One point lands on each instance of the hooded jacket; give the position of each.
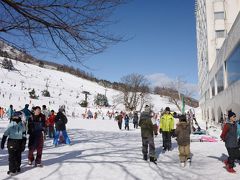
(167, 123)
(183, 132)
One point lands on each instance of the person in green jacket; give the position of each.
(167, 129)
(148, 129)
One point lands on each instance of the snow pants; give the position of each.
(57, 136)
(37, 145)
(234, 153)
(167, 140)
(184, 153)
(15, 157)
(148, 142)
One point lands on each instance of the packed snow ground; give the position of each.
(100, 150)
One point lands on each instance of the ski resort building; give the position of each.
(218, 54)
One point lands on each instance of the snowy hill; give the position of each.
(64, 88)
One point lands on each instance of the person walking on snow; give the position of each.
(126, 120)
(135, 120)
(10, 112)
(230, 137)
(16, 134)
(36, 129)
(148, 129)
(182, 132)
(60, 125)
(50, 124)
(167, 129)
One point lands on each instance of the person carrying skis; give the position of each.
(60, 125)
(148, 129)
(182, 132)
(36, 128)
(230, 137)
(167, 129)
(16, 135)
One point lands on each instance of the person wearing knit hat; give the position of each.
(148, 130)
(167, 129)
(16, 135)
(229, 136)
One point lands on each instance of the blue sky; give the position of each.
(163, 42)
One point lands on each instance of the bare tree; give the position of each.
(73, 28)
(134, 91)
(180, 86)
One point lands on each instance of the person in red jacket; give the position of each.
(229, 136)
(50, 122)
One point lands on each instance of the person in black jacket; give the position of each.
(36, 128)
(60, 126)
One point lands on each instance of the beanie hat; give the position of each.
(167, 109)
(182, 118)
(230, 114)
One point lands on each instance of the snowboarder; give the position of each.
(16, 142)
(135, 120)
(126, 120)
(229, 136)
(182, 133)
(167, 129)
(36, 128)
(148, 129)
(60, 125)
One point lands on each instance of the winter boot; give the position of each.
(182, 164)
(230, 169)
(10, 173)
(153, 159)
(145, 157)
(19, 170)
(188, 162)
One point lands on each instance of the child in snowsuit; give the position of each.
(148, 129)
(229, 136)
(16, 142)
(182, 133)
(36, 129)
(126, 119)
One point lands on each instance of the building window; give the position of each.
(220, 33)
(220, 80)
(218, 15)
(212, 85)
(233, 64)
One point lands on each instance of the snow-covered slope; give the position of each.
(64, 88)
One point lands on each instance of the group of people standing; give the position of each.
(34, 125)
(150, 128)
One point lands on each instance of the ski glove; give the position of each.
(4, 138)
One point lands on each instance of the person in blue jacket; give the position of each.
(16, 134)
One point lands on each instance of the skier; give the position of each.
(167, 129)
(60, 125)
(36, 128)
(16, 142)
(229, 136)
(182, 133)
(126, 120)
(148, 129)
(135, 120)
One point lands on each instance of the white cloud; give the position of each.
(162, 80)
